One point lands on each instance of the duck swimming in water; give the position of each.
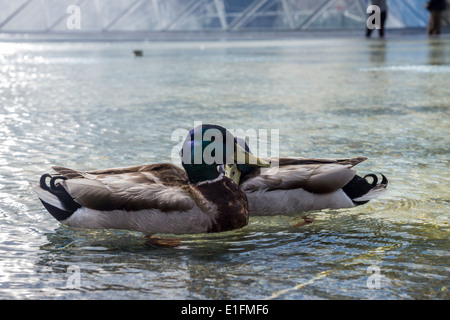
(294, 185)
(158, 198)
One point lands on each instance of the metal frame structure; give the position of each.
(180, 15)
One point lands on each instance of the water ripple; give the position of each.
(93, 105)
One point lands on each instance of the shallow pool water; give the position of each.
(95, 105)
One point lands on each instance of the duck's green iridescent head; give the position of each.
(208, 146)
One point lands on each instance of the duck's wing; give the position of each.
(165, 171)
(161, 186)
(286, 161)
(316, 176)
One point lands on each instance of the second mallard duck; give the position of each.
(294, 185)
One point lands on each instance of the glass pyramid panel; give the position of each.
(300, 11)
(342, 13)
(8, 8)
(268, 15)
(407, 13)
(138, 17)
(200, 15)
(30, 15)
(57, 13)
(195, 15)
(235, 9)
(91, 19)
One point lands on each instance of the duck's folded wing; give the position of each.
(286, 161)
(130, 189)
(315, 178)
(163, 171)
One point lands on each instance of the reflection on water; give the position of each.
(93, 105)
(377, 52)
(438, 53)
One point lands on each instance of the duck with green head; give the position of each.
(158, 198)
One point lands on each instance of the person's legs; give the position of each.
(383, 17)
(434, 24)
(430, 24)
(437, 22)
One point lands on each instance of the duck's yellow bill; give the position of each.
(241, 156)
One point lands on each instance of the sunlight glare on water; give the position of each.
(93, 105)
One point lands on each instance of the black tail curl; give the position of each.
(52, 186)
(359, 186)
(55, 188)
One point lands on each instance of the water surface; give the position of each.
(94, 105)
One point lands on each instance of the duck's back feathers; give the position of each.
(165, 172)
(284, 161)
(315, 178)
(162, 186)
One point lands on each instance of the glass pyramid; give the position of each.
(42, 16)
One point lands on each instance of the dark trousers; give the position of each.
(383, 16)
(434, 24)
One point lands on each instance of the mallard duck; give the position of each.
(158, 198)
(295, 185)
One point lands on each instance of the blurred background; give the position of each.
(155, 18)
